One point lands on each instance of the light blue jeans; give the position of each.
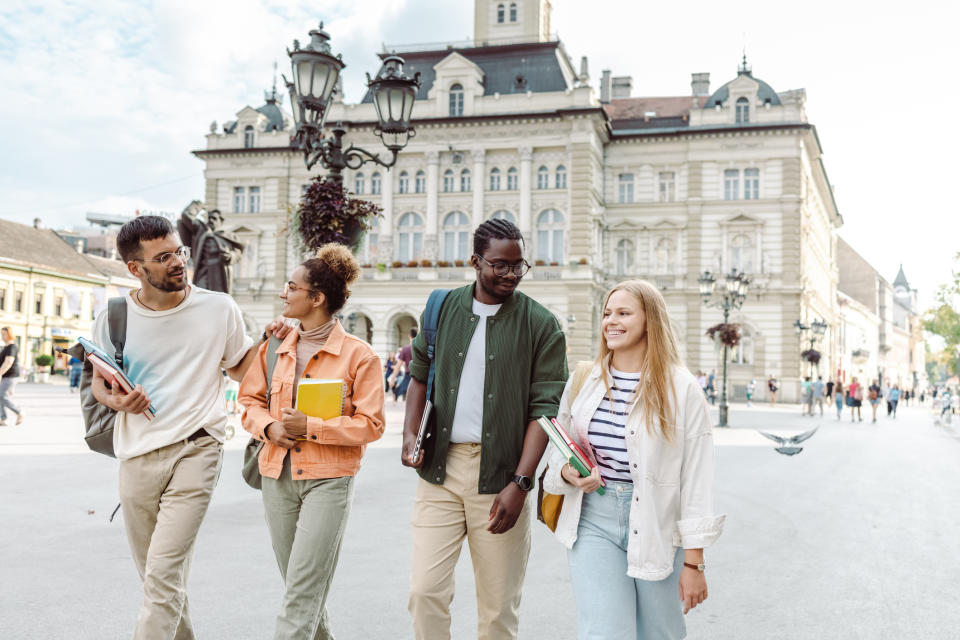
(610, 604)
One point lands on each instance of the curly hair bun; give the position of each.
(339, 259)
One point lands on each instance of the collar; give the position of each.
(333, 345)
(507, 307)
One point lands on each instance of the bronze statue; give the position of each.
(213, 251)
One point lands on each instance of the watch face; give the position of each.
(701, 567)
(523, 482)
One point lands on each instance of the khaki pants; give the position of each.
(442, 517)
(306, 519)
(165, 495)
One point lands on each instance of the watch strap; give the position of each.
(699, 567)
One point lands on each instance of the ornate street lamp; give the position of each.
(816, 328)
(315, 74)
(731, 295)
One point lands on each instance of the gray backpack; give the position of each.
(251, 454)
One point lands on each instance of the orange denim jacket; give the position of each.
(334, 447)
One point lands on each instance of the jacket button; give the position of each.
(299, 471)
(314, 437)
(636, 498)
(444, 430)
(632, 432)
(491, 356)
(489, 396)
(297, 449)
(438, 478)
(634, 465)
(452, 390)
(306, 375)
(634, 532)
(315, 357)
(460, 355)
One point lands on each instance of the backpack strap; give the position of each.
(431, 319)
(272, 347)
(580, 374)
(117, 323)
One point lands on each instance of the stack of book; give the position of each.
(570, 450)
(113, 374)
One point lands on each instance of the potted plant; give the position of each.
(327, 214)
(43, 362)
(554, 264)
(426, 263)
(443, 263)
(539, 263)
(811, 355)
(396, 264)
(582, 261)
(725, 334)
(412, 263)
(459, 263)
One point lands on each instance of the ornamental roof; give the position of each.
(651, 113)
(765, 92)
(901, 279)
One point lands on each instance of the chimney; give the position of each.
(622, 87)
(37, 224)
(584, 78)
(700, 83)
(606, 86)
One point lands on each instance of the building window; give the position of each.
(448, 181)
(18, 302)
(731, 184)
(456, 234)
(456, 100)
(239, 199)
(561, 177)
(741, 253)
(665, 256)
(743, 111)
(543, 178)
(254, 199)
(403, 184)
(513, 12)
(512, 179)
(58, 308)
(465, 180)
(503, 214)
(743, 352)
(410, 237)
(371, 241)
(501, 14)
(420, 182)
(751, 184)
(3, 299)
(38, 303)
(359, 184)
(668, 186)
(550, 236)
(625, 188)
(495, 180)
(375, 183)
(625, 257)
(248, 137)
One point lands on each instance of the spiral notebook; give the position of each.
(321, 398)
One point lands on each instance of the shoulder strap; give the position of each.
(431, 319)
(117, 323)
(580, 374)
(272, 347)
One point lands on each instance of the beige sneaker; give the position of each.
(3, 423)
(20, 417)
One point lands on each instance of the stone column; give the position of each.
(479, 185)
(526, 159)
(433, 187)
(385, 239)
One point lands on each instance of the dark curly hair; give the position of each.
(332, 271)
(494, 228)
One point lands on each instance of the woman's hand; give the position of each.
(693, 588)
(277, 435)
(294, 422)
(588, 485)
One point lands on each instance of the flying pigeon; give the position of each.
(788, 445)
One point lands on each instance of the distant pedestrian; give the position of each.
(838, 398)
(893, 399)
(404, 357)
(76, 368)
(946, 404)
(818, 388)
(829, 390)
(751, 388)
(9, 374)
(874, 394)
(711, 388)
(772, 387)
(806, 393)
(388, 368)
(702, 382)
(855, 400)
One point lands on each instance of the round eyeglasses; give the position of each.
(501, 269)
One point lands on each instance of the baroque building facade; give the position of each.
(604, 187)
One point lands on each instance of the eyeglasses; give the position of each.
(502, 268)
(166, 259)
(292, 286)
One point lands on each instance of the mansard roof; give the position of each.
(511, 68)
(765, 92)
(651, 113)
(273, 113)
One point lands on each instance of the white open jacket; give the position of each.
(672, 481)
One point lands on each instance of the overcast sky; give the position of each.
(103, 101)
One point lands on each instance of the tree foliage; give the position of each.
(943, 320)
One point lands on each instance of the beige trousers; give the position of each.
(165, 495)
(442, 517)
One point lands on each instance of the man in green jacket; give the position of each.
(500, 364)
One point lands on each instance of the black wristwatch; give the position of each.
(524, 482)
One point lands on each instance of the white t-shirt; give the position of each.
(177, 355)
(468, 416)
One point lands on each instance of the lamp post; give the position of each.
(730, 295)
(315, 74)
(816, 328)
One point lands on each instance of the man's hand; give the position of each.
(406, 452)
(278, 435)
(588, 485)
(136, 401)
(294, 422)
(279, 327)
(693, 588)
(506, 508)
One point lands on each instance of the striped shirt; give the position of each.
(608, 425)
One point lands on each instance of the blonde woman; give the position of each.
(636, 552)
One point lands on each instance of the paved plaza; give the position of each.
(852, 538)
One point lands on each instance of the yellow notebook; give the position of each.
(320, 398)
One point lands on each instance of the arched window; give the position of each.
(503, 214)
(494, 179)
(456, 100)
(501, 14)
(420, 182)
(409, 237)
(665, 256)
(248, 137)
(550, 229)
(512, 179)
(403, 184)
(375, 183)
(456, 235)
(743, 110)
(543, 178)
(625, 258)
(465, 180)
(371, 240)
(513, 12)
(741, 253)
(561, 177)
(448, 181)
(359, 184)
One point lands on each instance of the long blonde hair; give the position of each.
(655, 388)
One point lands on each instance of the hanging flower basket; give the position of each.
(727, 334)
(327, 214)
(811, 355)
